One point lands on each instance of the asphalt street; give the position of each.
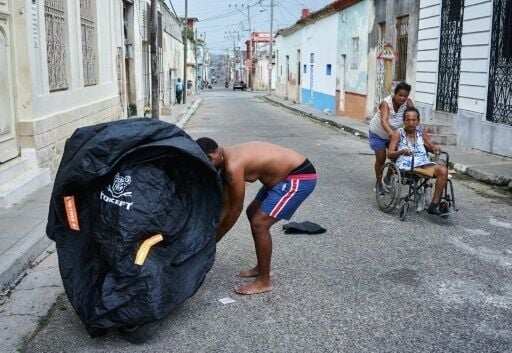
(371, 283)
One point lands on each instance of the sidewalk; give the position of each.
(486, 167)
(23, 226)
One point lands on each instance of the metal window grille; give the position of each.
(379, 86)
(144, 23)
(146, 74)
(55, 20)
(88, 25)
(499, 96)
(452, 16)
(355, 53)
(402, 41)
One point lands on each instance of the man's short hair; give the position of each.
(403, 86)
(207, 144)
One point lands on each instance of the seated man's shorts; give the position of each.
(282, 200)
(377, 143)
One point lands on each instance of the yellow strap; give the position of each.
(143, 251)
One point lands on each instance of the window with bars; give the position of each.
(354, 61)
(402, 41)
(88, 27)
(507, 35)
(56, 45)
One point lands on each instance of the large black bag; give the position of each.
(121, 183)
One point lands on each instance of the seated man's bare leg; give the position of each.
(260, 227)
(441, 174)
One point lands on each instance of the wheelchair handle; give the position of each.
(447, 157)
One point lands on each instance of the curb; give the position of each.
(187, 113)
(20, 256)
(461, 168)
(320, 119)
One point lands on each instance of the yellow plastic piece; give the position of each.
(143, 251)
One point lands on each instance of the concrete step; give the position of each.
(11, 169)
(434, 127)
(22, 185)
(441, 117)
(444, 139)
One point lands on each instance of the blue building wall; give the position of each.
(320, 101)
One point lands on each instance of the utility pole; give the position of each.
(185, 40)
(270, 47)
(155, 82)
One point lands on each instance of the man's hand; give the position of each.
(437, 150)
(405, 151)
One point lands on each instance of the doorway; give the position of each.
(8, 140)
(343, 63)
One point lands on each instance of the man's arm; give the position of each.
(393, 145)
(235, 188)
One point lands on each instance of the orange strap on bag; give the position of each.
(71, 213)
(143, 251)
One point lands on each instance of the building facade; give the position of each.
(464, 71)
(394, 22)
(352, 60)
(173, 52)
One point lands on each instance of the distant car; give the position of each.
(241, 85)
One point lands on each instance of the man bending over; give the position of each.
(287, 177)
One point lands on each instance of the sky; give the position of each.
(216, 17)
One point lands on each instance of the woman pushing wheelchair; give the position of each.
(409, 146)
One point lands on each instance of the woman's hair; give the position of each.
(207, 144)
(412, 109)
(403, 86)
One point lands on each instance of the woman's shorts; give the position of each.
(377, 143)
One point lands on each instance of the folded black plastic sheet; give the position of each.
(130, 180)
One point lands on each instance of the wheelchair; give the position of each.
(401, 189)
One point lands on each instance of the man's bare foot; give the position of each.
(253, 272)
(255, 287)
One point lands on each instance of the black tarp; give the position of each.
(132, 179)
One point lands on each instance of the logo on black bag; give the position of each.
(117, 192)
(120, 183)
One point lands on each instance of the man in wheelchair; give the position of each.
(409, 146)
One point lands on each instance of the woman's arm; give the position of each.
(410, 102)
(384, 118)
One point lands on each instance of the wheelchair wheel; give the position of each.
(404, 208)
(388, 188)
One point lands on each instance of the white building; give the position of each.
(60, 68)
(307, 45)
(464, 71)
(172, 63)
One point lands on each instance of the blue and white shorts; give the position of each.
(282, 200)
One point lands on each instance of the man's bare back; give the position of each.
(262, 161)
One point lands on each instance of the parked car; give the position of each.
(241, 85)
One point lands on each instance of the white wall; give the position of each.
(287, 45)
(428, 51)
(46, 103)
(320, 38)
(474, 70)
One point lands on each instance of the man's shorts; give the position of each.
(377, 143)
(281, 201)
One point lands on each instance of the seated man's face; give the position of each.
(411, 121)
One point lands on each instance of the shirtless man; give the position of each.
(287, 177)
